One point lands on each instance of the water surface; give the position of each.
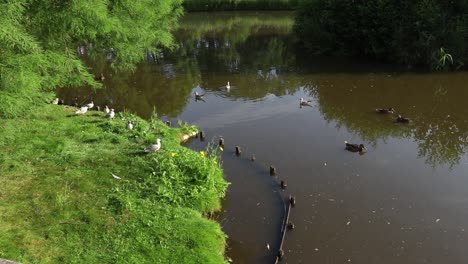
(404, 201)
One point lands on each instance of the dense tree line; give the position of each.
(432, 33)
(224, 5)
(39, 39)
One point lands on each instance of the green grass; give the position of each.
(224, 5)
(60, 204)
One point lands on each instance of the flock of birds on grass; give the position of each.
(110, 114)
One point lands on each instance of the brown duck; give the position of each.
(400, 119)
(385, 111)
(355, 147)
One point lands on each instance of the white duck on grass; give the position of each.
(154, 147)
(111, 114)
(82, 110)
(107, 110)
(130, 125)
(90, 105)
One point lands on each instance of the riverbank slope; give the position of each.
(59, 200)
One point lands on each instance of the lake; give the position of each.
(403, 201)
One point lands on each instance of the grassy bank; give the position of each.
(225, 5)
(59, 202)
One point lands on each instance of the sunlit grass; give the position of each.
(60, 204)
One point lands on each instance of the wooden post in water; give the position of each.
(283, 185)
(238, 151)
(221, 142)
(202, 136)
(292, 201)
(272, 171)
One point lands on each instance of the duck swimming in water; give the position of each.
(199, 96)
(355, 147)
(385, 111)
(226, 87)
(303, 102)
(400, 119)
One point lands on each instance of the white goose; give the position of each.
(55, 101)
(111, 114)
(82, 110)
(107, 110)
(154, 147)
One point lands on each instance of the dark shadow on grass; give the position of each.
(138, 153)
(96, 122)
(91, 140)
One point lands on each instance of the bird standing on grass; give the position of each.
(107, 110)
(154, 147)
(82, 110)
(55, 101)
(111, 114)
(130, 125)
(90, 105)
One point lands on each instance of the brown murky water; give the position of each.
(404, 201)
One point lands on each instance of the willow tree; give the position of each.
(38, 41)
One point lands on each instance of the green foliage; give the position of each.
(223, 5)
(411, 33)
(38, 40)
(60, 204)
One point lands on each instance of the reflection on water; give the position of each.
(404, 201)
